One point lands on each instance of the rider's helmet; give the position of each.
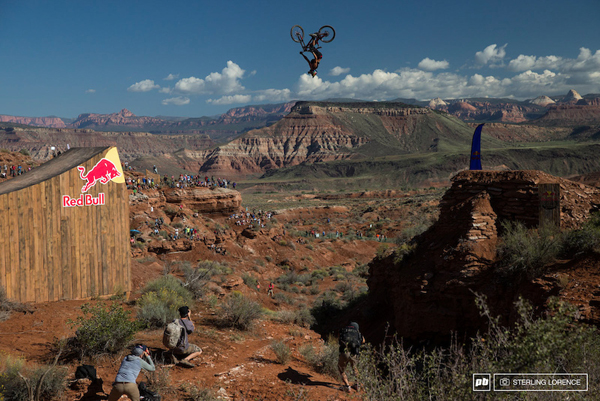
(313, 73)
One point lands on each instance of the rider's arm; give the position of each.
(305, 58)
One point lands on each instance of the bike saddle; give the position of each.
(312, 35)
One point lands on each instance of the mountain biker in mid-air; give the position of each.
(317, 56)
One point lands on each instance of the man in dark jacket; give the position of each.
(350, 341)
(184, 348)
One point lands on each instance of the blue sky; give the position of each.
(198, 58)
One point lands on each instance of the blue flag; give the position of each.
(476, 149)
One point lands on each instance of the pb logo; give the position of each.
(482, 382)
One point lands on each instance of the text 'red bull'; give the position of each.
(83, 200)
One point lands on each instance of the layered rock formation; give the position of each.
(124, 118)
(53, 122)
(131, 145)
(318, 132)
(431, 293)
(206, 200)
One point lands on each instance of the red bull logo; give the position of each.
(83, 200)
(103, 171)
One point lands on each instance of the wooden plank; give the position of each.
(66, 216)
(4, 240)
(35, 264)
(13, 219)
(23, 268)
(50, 230)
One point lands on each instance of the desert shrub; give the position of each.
(282, 351)
(160, 300)
(283, 242)
(102, 329)
(554, 342)
(268, 258)
(197, 278)
(304, 318)
(249, 280)
(24, 152)
(197, 393)
(295, 290)
(178, 225)
(239, 312)
(525, 252)
(383, 250)
(324, 359)
(288, 278)
(338, 272)
(13, 387)
(314, 289)
(281, 297)
(343, 286)
(309, 246)
(285, 316)
(319, 274)
(139, 245)
(583, 240)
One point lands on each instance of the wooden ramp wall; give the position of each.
(50, 252)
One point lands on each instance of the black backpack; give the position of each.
(146, 394)
(86, 372)
(350, 339)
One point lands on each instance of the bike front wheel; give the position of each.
(297, 33)
(326, 33)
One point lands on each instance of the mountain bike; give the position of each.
(325, 34)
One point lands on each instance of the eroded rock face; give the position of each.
(204, 200)
(432, 293)
(53, 122)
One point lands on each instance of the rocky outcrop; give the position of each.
(542, 101)
(432, 291)
(571, 98)
(204, 200)
(53, 122)
(571, 115)
(124, 118)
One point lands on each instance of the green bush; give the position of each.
(282, 351)
(525, 252)
(102, 329)
(24, 152)
(198, 393)
(583, 240)
(160, 300)
(249, 280)
(13, 387)
(554, 342)
(239, 312)
(325, 359)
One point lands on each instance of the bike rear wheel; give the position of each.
(297, 33)
(327, 33)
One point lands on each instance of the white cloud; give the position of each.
(177, 101)
(235, 99)
(90, 91)
(225, 82)
(428, 64)
(272, 95)
(171, 77)
(335, 71)
(143, 86)
(166, 89)
(492, 55)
